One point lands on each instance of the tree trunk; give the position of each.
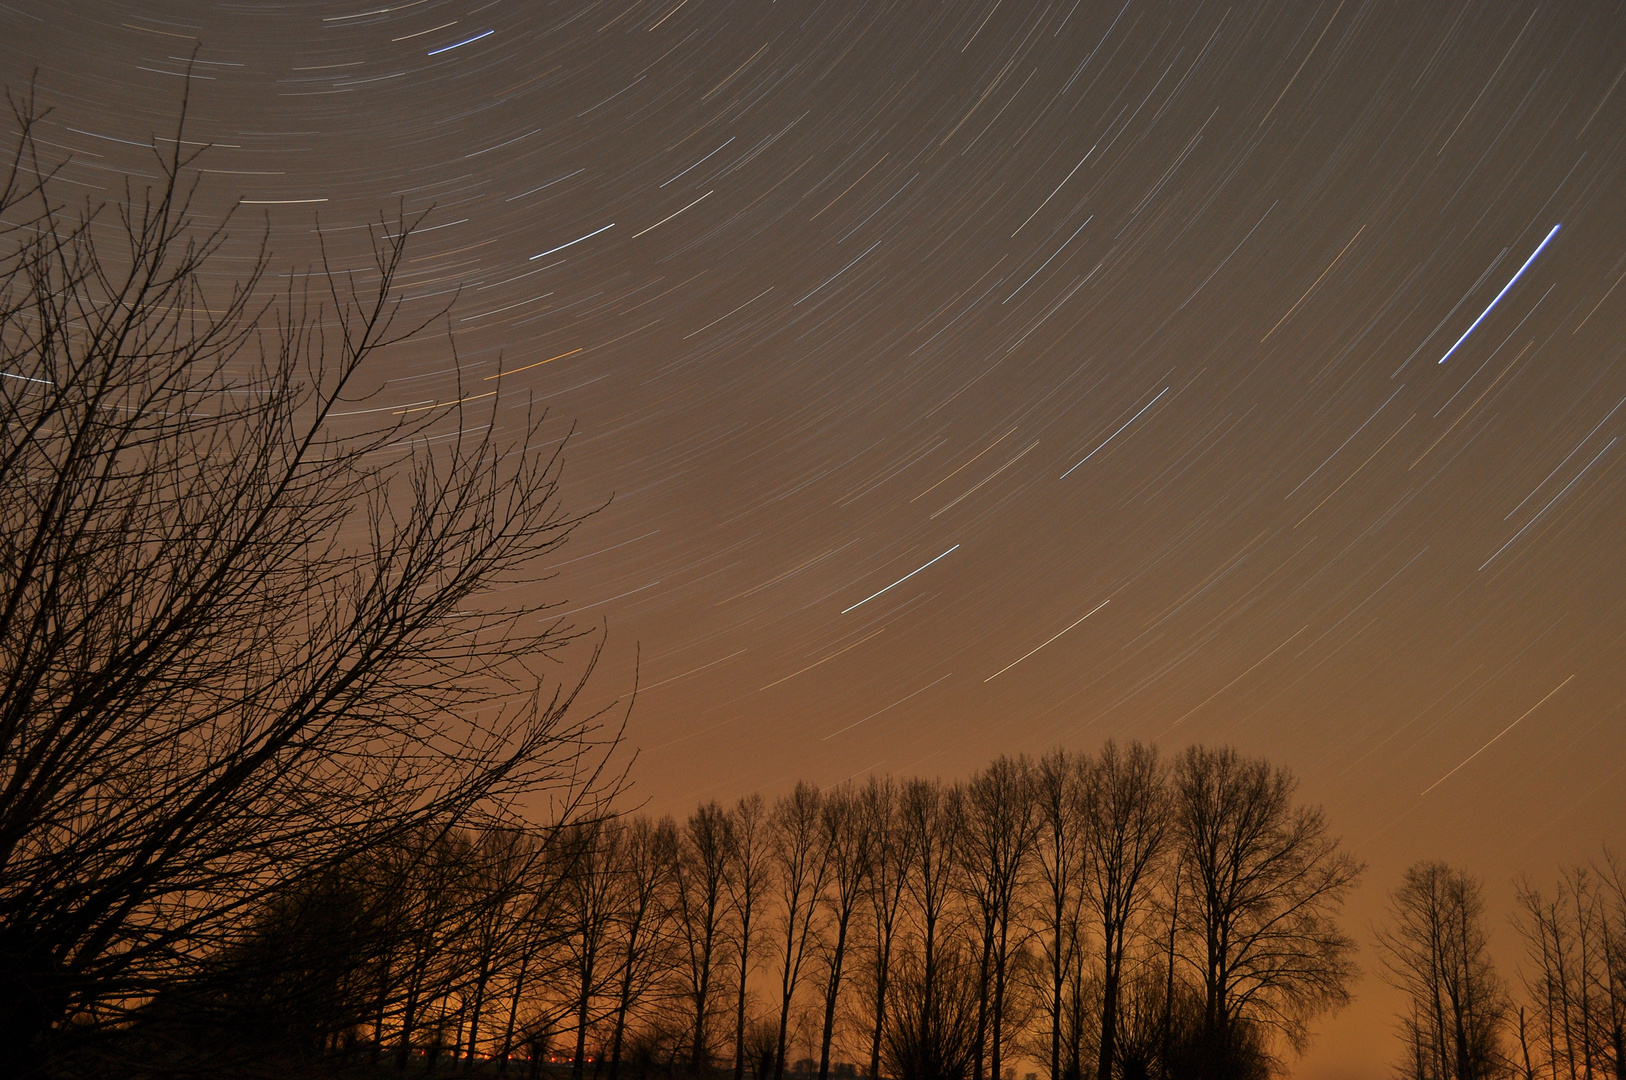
(1168, 993)
(784, 1024)
(1055, 998)
(739, 1005)
(699, 1054)
(378, 1012)
(513, 1013)
(883, 963)
(830, 995)
(582, 1004)
(996, 1059)
(1524, 1047)
(409, 1020)
(624, 1003)
(474, 1012)
(1109, 1023)
(981, 1044)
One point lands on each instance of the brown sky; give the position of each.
(973, 378)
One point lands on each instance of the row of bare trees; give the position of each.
(1462, 1020)
(1109, 914)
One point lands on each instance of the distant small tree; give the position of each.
(934, 1032)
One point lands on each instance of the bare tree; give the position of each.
(439, 908)
(848, 837)
(539, 929)
(1059, 793)
(648, 855)
(801, 866)
(1139, 1047)
(893, 855)
(1126, 824)
(1204, 895)
(1612, 935)
(1170, 903)
(1001, 825)
(932, 815)
(534, 931)
(1577, 972)
(749, 874)
(242, 636)
(590, 906)
(1435, 949)
(1265, 883)
(933, 1034)
(299, 982)
(506, 861)
(701, 870)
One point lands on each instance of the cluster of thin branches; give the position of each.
(1575, 978)
(245, 638)
(1462, 1020)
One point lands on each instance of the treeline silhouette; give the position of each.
(1463, 1021)
(1103, 915)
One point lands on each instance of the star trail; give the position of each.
(1111, 317)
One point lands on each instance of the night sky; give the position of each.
(969, 378)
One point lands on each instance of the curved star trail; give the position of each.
(788, 268)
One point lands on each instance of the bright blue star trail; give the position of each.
(1516, 275)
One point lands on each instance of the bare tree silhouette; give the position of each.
(244, 635)
(1059, 790)
(889, 876)
(1126, 825)
(1435, 949)
(645, 914)
(932, 815)
(801, 861)
(1265, 883)
(848, 837)
(1575, 945)
(750, 872)
(996, 851)
(701, 871)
